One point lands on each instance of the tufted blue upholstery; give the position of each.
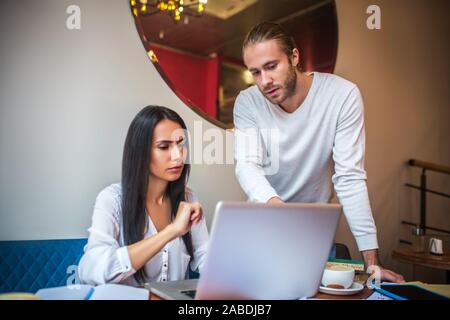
(27, 266)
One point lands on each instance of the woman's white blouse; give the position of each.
(106, 258)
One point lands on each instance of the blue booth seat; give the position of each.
(27, 266)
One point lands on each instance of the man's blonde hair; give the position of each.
(270, 31)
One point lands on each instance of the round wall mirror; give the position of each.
(196, 45)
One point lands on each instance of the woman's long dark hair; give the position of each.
(135, 173)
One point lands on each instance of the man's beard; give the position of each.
(289, 85)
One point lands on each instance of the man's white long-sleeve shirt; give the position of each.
(291, 155)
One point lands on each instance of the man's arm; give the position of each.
(349, 178)
(350, 181)
(249, 151)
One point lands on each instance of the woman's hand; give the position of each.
(187, 214)
(142, 251)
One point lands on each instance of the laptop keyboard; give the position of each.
(189, 293)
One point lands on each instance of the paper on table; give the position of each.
(119, 292)
(378, 296)
(87, 292)
(75, 292)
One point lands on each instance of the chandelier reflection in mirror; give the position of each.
(174, 8)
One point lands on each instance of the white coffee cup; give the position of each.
(338, 277)
(436, 246)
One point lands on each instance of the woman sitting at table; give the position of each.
(148, 227)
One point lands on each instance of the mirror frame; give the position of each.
(184, 98)
(179, 94)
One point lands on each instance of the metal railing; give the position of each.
(424, 190)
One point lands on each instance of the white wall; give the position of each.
(403, 73)
(67, 99)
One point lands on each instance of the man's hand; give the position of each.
(391, 276)
(372, 263)
(275, 200)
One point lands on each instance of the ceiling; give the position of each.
(228, 8)
(222, 29)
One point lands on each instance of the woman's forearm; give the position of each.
(142, 251)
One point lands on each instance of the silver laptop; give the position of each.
(260, 251)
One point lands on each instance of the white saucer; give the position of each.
(355, 288)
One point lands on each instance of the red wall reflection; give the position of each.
(195, 77)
